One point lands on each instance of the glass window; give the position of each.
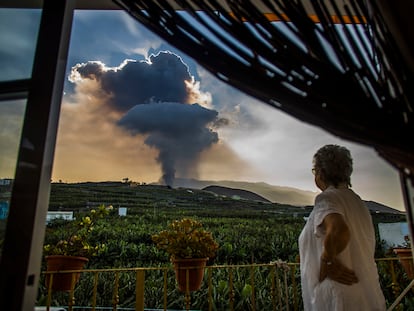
(11, 122)
(18, 36)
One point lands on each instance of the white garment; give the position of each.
(366, 295)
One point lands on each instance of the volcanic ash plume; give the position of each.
(179, 131)
(152, 98)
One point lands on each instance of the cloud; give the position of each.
(163, 77)
(158, 101)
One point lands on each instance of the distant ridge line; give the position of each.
(236, 193)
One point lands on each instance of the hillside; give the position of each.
(212, 201)
(236, 193)
(276, 194)
(82, 196)
(374, 207)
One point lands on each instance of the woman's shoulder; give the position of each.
(331, 198)
(328, 194)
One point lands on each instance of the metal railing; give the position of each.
(273, 286)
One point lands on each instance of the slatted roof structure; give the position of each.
(334, 64)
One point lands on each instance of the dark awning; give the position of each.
(334, 64)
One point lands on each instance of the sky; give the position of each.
(135, 107)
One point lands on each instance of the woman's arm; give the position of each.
(337, 236)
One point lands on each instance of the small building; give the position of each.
(59, 215)
(6, 181)
(122, 211)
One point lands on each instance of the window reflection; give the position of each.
(18, 36)
(11, 122)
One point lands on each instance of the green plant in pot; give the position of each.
(189, 246)
(73, 250)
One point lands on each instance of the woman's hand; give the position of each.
(336, 271)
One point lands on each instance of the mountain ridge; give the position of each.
(275, 194)
(236, 193)
(261, 191)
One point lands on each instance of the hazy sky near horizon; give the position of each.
(136, 107)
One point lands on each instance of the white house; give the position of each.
(5, 181)
(59, 215)
(393, 233)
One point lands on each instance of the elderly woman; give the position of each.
(337, 244)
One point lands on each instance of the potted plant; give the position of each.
(189, 246)
(73, 250)
(405, 256)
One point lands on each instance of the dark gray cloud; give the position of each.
(161, 78)
(153, 97)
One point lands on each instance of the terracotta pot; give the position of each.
(194, 267)
(405, 258)
(58, 263)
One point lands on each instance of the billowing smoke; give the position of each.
(164, 77)
(153, 100)
(180, 132)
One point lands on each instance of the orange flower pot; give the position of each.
(58, 263)
(406, 259)
(191, 269)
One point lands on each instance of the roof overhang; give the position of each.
(79, 4)
(111, 5)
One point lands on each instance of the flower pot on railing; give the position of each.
(189, 273)
(189, 247)
(74, 248)
(406, 259)
(59, 263)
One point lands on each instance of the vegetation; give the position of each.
(246, 232)
(75, 239)
(186, 238)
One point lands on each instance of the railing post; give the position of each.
(95, 290)
(231, 290)
(187, 288)
(49, 292)
(252, 271)
(295, 298)
(115, 298)
(139, 290)
(72, 292)
(285, 278)
(273, 289)
(165, 288)
(279, 289)
(210, 290)
(394, 285)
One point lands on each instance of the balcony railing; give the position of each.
(273, 286)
